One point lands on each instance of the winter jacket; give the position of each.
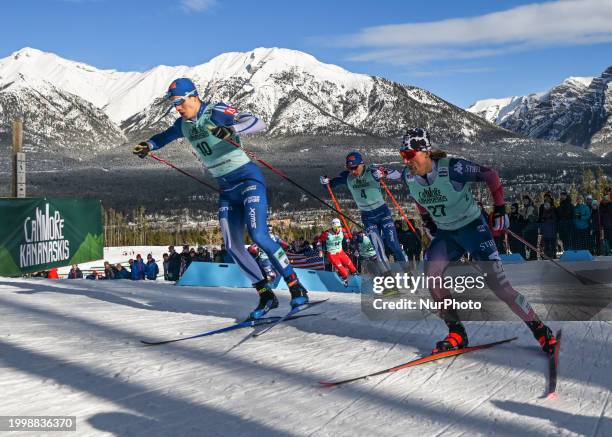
(548, 222)
(565, 210)
(174, 266)
(605, 213)
(122, 274)
(151, 270)
(138, 270)
(582, 215)
(75, 274)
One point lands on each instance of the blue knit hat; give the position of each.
(181, 87)
(353, 159)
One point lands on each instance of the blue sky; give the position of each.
(460, 50)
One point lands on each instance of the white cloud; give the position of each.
(556, 23)
(197, 5)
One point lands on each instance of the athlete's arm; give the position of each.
(390, 175)
(242, 123)
(464, 171)
(339, 180)
(174, 132)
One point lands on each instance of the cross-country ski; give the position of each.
(417, 361)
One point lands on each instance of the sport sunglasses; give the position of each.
(408, 154)
(180, 101)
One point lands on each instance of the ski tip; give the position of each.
(551, 396)
(148, 343)
(324, 384)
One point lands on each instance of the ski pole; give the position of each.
(331, 193)
(582, 279)
(169, 164)
(287, 178)
(397, 205)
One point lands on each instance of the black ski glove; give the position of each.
(142, 149)
(221, 132)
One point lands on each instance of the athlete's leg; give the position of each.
(232, 229)
(441, 251)
(389, 235)
(336, 260)
(347, 263)
(255, 215)
(373, 232)
(477, 239)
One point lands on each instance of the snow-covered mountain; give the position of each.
(575, 111)
(69, 105)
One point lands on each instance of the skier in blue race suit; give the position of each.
(243, 200)
(364, 184)
(440, 186)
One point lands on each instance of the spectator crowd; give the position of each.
(553, 225)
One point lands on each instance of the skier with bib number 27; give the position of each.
(440, 186)
(243, 200)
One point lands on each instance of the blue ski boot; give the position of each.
(267, 300)
(299, 295)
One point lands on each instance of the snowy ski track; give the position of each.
(73, 348)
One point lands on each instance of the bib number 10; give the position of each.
(204, 148)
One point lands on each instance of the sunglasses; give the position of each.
(353, 167)
(408, 154)
(181, 100)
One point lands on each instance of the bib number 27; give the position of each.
(437, 210)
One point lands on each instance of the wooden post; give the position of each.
(19, 164)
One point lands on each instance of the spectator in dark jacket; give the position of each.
(548, 227)
(138, 269)
(530, 232)
(151, 268)
(517, 226)
(227, 257)
(185, 260)
(109, 273)
(595, 228)
(75, 272)
(93, 275)
(565, 221)
(121, 273)
(165, 264)
(409, 240)
(174, 264)
(605, 213)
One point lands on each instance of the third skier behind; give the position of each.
(332, 242)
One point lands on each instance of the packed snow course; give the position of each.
(72, 347)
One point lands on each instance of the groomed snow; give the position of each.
(71, 347)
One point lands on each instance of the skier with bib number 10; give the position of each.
(243, 200)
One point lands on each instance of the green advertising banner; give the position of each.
(40, 233)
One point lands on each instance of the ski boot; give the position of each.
(299, 295)
(544, 335)
(267, 300)
(345, 282)
(456, 338)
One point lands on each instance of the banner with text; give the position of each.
(41, 233)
